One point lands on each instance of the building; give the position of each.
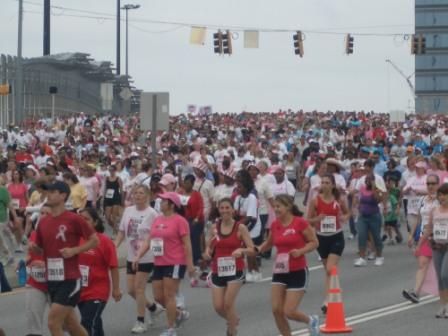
(431, 68)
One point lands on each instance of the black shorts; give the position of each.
(222, 282)
(294, 281)
(334, 244)
(170, 271)
(393, 223)
(143, 267)
(258, 240)
(65, 293)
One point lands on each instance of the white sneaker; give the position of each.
(257, 276)
(390, 242)
(139, 328)
(159, 310)
(249, 277)
(371, 256)
(379, 261)
(360, 262)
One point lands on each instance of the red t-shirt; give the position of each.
(195, 207)
(56, 233)
(36, 265)
(94, 266)
(290, 238)
(24, 157)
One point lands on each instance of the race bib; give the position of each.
(184, 199)
(281, 264)
(110, 193)
(84, 275)
(413, 204)
(440, 231)
(328, 224)
(226, 266)
(69, 204)
(38, 273)
(157, 247)
(15, 202)
(55, 269)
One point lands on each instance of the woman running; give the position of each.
(326, 213)
(228, 242)
(113, 198)
(136, 223)
(437, 232)
(293, 237)
(170, 244)
(95, 266)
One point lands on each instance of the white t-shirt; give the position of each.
(248, 207)
(136, 226)
(89, 184)
(284, 187)
(264, 192)
(223, 191)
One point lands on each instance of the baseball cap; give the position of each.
(60, 186)
(167, 179)
(171, 196)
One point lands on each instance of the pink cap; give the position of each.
(421, 164)
(167, 179)
(171, 196)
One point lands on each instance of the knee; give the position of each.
(289, 312)
(227, 306)
(277, 310)
(219, 307)
(53, 325)
(131, 292)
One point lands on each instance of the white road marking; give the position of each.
(309, 269)
(378, 313)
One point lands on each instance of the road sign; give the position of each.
(147, 111)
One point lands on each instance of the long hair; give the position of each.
(99, 226)
(335, 191)
(288, 201)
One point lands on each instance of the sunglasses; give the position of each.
(431, 183)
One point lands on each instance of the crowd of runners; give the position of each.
(222, 198)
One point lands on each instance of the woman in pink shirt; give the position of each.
(19, 201)
(170, 244)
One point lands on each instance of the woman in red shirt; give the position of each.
(95, 266)
(293, 237)
(19, 201)
(194, 213)
(229, 241)
(326, 213)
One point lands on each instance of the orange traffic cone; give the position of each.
(335, 322)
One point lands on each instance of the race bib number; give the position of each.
(184, 199)
(15, 203)
(157, 247)
(281, 264)
(110, 193)
(328, 224)
(414, 203)
(69, 204)
(84, 275)
(38, 274)
(55, 269)
(440, 231)
(226, 266)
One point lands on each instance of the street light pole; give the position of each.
(118, 36)
(18, 87)
(127, 7)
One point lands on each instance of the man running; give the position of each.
(57, 239)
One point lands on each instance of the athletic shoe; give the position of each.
(249, 276)
(256, 276)
(313, 325)
(360, 262)
(371, 256)
(379, 261)
(169, 332)
(384, 237)
(24, 241)
(390, 242)
(350, 237)
(159, 310)
(441, 313)
(139, 328)
(411, 296)
(181, 318)
(180, 301)
(19, 249)
(194, 282)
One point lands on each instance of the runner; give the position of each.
(169, 241)
(437, 232)
(326, 213)
(423, 250)
(293, 238)
(135, 226)
(227, 244)
(57, 238)
(113, 191)
(95, 266)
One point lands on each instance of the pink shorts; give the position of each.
(424, 250)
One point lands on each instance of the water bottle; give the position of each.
(21, 272)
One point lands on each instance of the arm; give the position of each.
(266, 246)
(311, 245)
(142, 251)
(312, 217)
(245, 236)
(210, 236)
(345, 211)
(115, 277)
(69, 252)
(119, 239)
(188, 254)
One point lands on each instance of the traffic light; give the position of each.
(349, 42)
(227, 43)
(414, 45)
(298, 43)
(421, 44)
(217, 42)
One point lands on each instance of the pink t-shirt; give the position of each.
(168, 232)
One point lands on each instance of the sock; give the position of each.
(152, 307)
(141, 319)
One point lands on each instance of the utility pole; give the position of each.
(118, 37)
(47, 14)
(127, 8)
(18, 87)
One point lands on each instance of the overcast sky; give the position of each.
(263, 79)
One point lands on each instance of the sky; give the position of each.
(265, 79)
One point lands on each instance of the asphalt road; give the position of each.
(372, 298)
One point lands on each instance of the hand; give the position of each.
(296, 253)
(238, 253)
(206, 255)
(68, 252)
(191, 271)
(135, 265)
(116, 294)
(410, 241)
(34, 248)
